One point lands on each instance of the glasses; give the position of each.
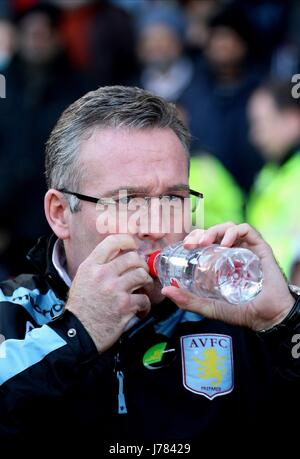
(131, 203)
(129, 213)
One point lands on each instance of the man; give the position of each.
(273, 203)
(96, 353)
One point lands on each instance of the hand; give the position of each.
(271, 305)
(102, 292)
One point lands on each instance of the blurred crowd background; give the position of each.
(228, 65)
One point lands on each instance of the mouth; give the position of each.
(146, 248)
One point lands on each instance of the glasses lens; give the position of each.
(197, 209)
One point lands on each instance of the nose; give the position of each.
(151, 223)
(150, 236)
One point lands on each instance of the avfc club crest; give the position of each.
(207, 364)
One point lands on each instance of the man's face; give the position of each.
(159, 46)
(37, 38)
(272, 130)
(225, 47)
(150, 160)
(264, 122)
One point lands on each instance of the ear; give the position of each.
(57, 213)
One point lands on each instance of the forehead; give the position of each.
(113, 157)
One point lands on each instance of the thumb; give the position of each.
(186, 300)
(177, 295)
(211, 309)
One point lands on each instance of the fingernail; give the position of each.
(190, 240)
(194, 242)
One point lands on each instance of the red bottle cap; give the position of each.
(151, 263)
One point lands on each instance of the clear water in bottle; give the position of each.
(231, 274)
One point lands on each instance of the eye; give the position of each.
(125, 200)
(131, 201)
(173, 198)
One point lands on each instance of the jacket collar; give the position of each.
(40, 256)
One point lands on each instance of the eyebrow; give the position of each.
(143, 190)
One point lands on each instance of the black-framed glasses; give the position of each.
(132, 202)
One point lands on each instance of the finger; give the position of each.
(139, 303)
(135, 279)
(193, 238)
(209, 236)
(243, 232)
(231, 237)
(187, 301)
(126, 261)
(110, 247)
(178, 295)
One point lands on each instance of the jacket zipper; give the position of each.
(122, 409)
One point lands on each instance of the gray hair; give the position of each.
(109, 106)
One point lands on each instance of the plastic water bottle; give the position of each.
(216, 272)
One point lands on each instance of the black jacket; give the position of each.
(174, 377)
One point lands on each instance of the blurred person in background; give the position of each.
(112, 45)
(40, 83)
(273, 206)
(7, 42)
(165, 69)
(198, 14)
(99, 38)
(224, 199)
(216, 103)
